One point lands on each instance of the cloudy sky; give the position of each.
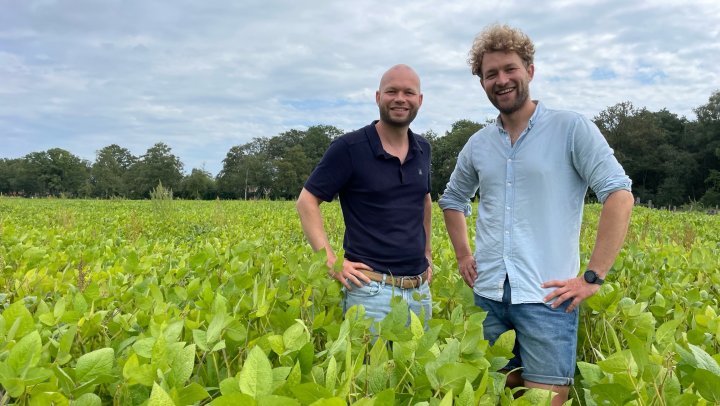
(204, 75)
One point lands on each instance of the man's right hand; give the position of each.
(351, 271)
(468, 269)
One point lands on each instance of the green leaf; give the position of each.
(192, 394)
(14, 387)
(331, 375)
(135, 373)
(158, 397)
(275, 400)
(295, 337)
(537, 396)
(217, 324)
(704, 360)
(447, 400)
(385, 398)
(229, 385)
(665, 334)
(591, 373)
(452, 376)
(504, 344)
(708, 385)
(94, 364)
(234, 399)
(18, 320)
(25, 354)
(611, 394)
(309, 392)
(256, 378)
(181, 363)
(467, 396)
(295, 375)
(65, 346)
(144, 347)
(619, 363)
(88, 399)
(394, 326)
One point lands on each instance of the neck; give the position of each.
(391, 134)
(514, 123)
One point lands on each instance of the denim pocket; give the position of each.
(367, 290)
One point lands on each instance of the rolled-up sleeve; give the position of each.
(595, 161)
(463, 183)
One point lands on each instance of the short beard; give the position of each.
(521, 99)
(385, 118)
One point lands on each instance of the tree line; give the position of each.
(671, 160)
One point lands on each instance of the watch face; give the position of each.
(590, 276)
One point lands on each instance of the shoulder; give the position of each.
(484, 134)
(422, 141)
(354, 137)
(560, 116)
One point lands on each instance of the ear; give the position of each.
(531, 71)
(421, 99)
(377, 97)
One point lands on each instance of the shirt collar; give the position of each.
(376, 144)
(539, 111)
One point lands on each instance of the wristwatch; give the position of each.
(592, 277)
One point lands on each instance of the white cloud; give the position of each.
(204, 76)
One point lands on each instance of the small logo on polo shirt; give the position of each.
(419, 171)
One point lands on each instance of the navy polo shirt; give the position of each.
(382, 200)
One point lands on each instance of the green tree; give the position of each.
(246, 172)
(16, 177)
(110, 171)
(445, 151)
(198, 185)
(707, 131)
(637, 139)
(157, 165)
(57, 171)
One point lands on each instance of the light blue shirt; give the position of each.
(531, 199)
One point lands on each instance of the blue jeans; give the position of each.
(546, 338)
(375, 297)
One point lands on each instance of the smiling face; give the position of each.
(506, 80)
(399, 97)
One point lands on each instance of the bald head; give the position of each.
(399, 96)
(400, 71)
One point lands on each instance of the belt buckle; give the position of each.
(411, 279)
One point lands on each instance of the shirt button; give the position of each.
(509, 159)
(507, 208)
(507, 232)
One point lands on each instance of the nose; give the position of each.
(502, 77)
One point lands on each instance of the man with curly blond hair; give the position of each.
(532, 169)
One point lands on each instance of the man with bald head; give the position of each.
(381, 173)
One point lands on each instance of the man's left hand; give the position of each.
(429, 274)
(574, 288)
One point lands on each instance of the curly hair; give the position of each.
(500, 38)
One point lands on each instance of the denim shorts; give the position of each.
(546, 338)
(375, 297)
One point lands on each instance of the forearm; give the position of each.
(612, 228)
(427, 224)
(457, 230)
(308, 208)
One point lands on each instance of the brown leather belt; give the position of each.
(403, 282)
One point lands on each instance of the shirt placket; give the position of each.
(510, 190)
(508, 217)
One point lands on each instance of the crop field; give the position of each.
(168, 302)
